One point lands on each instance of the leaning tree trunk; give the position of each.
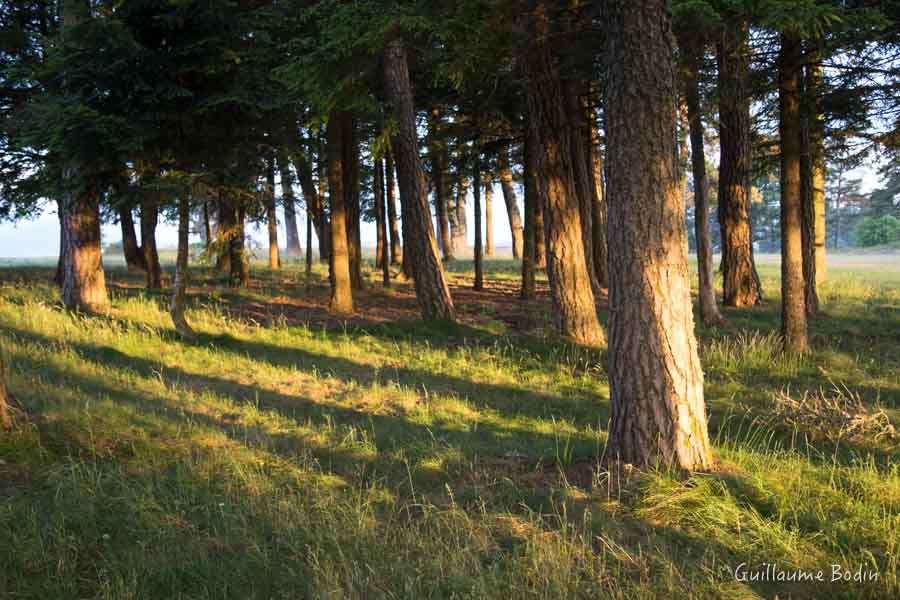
(691, 53)
(740, 279)
(149, 220)
(393, 221)
(531, 209)
(179, 286)
(271, 216)
(656, 381)
(793, 306)
(83, 281)
(509, 198)
(479, 249)
(341, 288)
(431, 287)
(570, 283)
(382, 256)
(489, 218)
(292, 234)
(134, 259)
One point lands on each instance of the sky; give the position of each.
(39, 238)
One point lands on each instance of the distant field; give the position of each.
(284, 454)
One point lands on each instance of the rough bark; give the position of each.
(393, 221)
(740, 279)
(570, 284)
(272, 216)
(149, 220)
(226, 227)
(509, 198)
(84, 283)
(325, 238)
(134, 259)
(179, 285)
(60, 261)
(812, 173)
(793, 306)
(431, 287)
(691, 54)
(817, 163)
(237, 249)
(656, 381)
(382, 255)
(288, 200)
(479, 249)
(489, 218)
(339, 262)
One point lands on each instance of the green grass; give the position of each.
(271, 458)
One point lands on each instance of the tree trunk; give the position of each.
(509, 198)
(84, 283)
(540, 228)
(60, 262)
(226, 228)
(691, 53)
(207, 227)
(489, 217)
(134, 260)
(382, 256)
(238, 260)
(582, 173)
(272, 217)
(325, 238)
(181, 274)
(393, 221)
(656, 381)
(793, 306)
(431, 287)
(531, 208)
(288, 200)
(478, 250)
(458, 222)
(314, 198)
(741, 281)
(817, 164)
(812, 187)
(438, 152)
(570, 283)
(350, 147)
(309, 228)
(341, 287)
(149, 220)
(601, 252)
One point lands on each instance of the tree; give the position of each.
(341, 288)
(479, 249)
(509, 198)
(656, 381)
(431, 287)
(793, 303)
(570, 283)
(271, 215)
(179, 285)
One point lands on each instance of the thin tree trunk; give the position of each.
(309, 260)
(817, 159)
(479, 250)
(393, 221)
(740, 279)
(272, 216)
(314, 198)
(540, 227)
(431, 287)
(382, 254)
(570, 283)
(239, 261)
(325, 237)
(438, 152)
(531, 208)
(509, 198)
(149, 220)
(288, 200)
(341, 287)
(691, 53)
(134, 260)
(489, 217)
(793, 306)
(84, 283)
(350, 147)
(812, 187)
(179, 285)
(460, 233)
(226, 229)
(601, 252)
(656, 380)
(207, 227)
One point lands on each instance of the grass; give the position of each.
(284, 455)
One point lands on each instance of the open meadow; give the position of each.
(284, 453)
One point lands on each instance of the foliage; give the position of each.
(875, 231)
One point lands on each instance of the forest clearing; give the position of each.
(269, 458)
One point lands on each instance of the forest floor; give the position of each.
(285, 454)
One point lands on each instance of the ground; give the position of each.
(284, 454)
